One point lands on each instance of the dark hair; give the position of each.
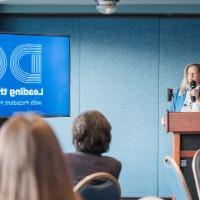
(2, 120)
(91, 133)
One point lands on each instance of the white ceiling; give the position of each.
(88, 7)
(92, 2)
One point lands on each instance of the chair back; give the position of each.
(196, 170)
(176, 179)
(98, 186)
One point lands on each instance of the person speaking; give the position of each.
(187, 97)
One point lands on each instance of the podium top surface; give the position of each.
(183, 122)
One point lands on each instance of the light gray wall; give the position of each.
(123, 66)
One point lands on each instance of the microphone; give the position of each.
(169, 94)
(193, 85)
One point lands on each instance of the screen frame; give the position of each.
(46, 35)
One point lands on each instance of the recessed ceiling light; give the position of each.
(106, 6)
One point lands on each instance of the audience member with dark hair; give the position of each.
(32, 166)
(91, 138)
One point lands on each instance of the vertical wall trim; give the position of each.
(158, 138)
(79, 67)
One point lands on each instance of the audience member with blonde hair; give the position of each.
(31, 161)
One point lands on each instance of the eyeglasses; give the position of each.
(194, 73)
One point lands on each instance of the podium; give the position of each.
(185, 127)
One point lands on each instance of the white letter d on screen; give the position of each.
(35, 50)
(3, 62)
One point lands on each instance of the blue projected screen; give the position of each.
(34, 74)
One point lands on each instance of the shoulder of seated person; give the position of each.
(111, 158)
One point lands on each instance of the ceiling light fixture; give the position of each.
(106, 6)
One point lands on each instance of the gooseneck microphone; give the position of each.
(193, 85)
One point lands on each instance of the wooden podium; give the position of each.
(185, 127)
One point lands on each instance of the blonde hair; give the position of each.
(32, 166)
(184, 82)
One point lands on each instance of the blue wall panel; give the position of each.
(119, 76)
